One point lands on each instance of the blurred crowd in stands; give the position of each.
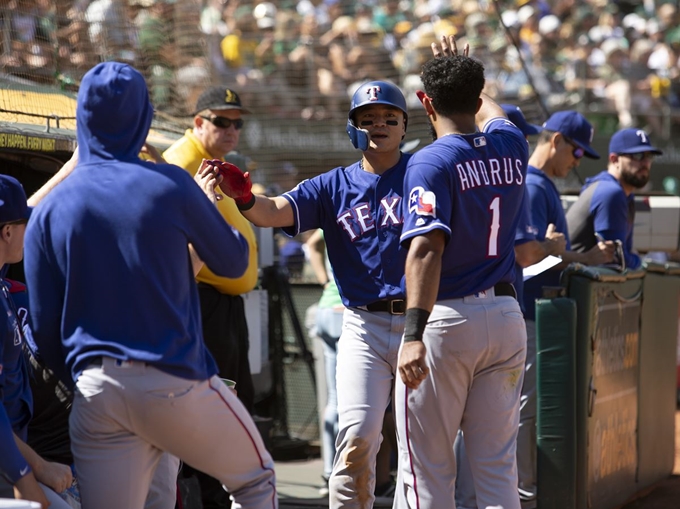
(303, 58)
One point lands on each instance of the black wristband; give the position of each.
(414, 324)
(248, 205)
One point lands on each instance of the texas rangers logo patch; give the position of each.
(423, 203)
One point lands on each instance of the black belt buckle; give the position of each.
(397, 307)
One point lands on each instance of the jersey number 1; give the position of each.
(495, 208)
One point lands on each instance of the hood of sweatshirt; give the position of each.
(113, 113)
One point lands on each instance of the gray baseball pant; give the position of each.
(126, 414)
(367, 359)
(526, 436)
(476, 348)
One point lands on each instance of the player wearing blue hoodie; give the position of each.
(114, 305)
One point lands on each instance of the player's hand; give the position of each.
(412, 366)
(54, 475)
(557, 243)
(27, 488)
(153, 153)
(448, 47)
(208, 177)
(235, 183)
(601, 253)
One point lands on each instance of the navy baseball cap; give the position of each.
(516, 116)
(13, 205)
(631, 141)
(574, 126)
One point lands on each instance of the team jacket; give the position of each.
(106, 257)
(603, 208)
(188, 152)
(15, 393)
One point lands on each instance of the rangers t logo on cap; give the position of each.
(373, 93)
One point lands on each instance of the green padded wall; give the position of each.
(556, 419)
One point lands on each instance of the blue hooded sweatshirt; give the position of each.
(106, 257)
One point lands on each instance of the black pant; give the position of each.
(225, 332)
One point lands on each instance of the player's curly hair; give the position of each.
(453, 83)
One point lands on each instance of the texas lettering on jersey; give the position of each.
(475, 173)
(359, 220)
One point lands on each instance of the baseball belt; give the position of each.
(398, 306)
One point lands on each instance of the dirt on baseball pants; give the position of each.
(366, 363)
(126, 414)
(526, 436)
(476, 348)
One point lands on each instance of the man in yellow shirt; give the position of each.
(216, 129)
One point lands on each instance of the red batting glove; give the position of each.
(235, 184)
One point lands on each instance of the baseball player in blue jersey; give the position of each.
(528, 251)
(605, 208)
(20, 465)
(359, 210)
(464, 342)
(145, 383)
(564, 141)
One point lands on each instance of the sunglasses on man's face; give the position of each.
(225, 123)
(639, 156)
(578, 152)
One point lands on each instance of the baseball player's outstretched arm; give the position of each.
(259, 210)
(58, 177)
(490, 109)
(270, 212)
(423, 270)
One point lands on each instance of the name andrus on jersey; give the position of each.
(501, 172)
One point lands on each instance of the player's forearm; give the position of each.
(316, 257)
(54, 475)
(27, 488)
(32, 458)
(270, 212)
(423, 270)
(490, 109)
(529, 253)
(568, 257)
(196, 262)
(56, 179)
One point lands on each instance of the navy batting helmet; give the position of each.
(373, 92)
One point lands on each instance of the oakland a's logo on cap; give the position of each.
(230, 97)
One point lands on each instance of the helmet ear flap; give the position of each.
(358, 137)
